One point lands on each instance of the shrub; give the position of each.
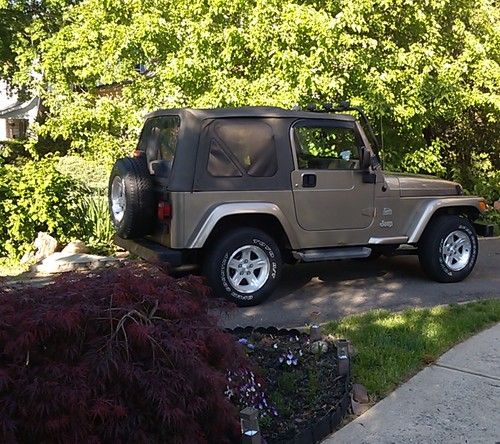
(123, 355)
(34, 196)
(90, 173)
(95, 226)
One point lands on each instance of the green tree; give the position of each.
(428, 71)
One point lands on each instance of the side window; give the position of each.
(326, 147)
(242, 146)
(159, 138)
(219, 164)
(169, 134)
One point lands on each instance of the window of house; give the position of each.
(17, 128)
(326, 147)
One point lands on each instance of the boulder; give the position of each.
(45, 245)
(76, 246)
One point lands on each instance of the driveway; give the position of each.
(329, 290)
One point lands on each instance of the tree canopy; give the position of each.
(427, 71)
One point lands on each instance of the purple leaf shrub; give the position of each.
(120, 355)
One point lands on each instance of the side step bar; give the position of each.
(332, 254)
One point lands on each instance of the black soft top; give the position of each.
(189, 171)
(248, 111)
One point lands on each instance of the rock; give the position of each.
(61, 262)
(27, 257)
(45, 245)
(76, 246)
(319, 347)
(358, 408)
(496, 205)
(360, 394)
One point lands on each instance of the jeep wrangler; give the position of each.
(241, 191)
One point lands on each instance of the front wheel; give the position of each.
(244, 266)
(448, 249)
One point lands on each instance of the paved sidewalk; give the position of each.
(456, 400)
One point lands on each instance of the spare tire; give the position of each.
(131, 198)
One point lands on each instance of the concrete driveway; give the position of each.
(329, 290)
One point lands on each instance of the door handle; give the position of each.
(308, 180)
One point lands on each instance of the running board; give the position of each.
(332, 254)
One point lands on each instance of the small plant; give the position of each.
(312, 384)
(95, 224)
(287, 381)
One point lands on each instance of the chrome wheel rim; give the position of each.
(118, 204)
(457, 250)
(248, 269)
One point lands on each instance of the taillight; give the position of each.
(164, 210)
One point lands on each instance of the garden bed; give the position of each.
(304, 398)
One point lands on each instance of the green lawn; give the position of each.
(392, 347)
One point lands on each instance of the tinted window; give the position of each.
(219, 164)
(326, 147)
(159, 138)
(242, 145)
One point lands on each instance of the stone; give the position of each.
(319, 347)
(358, 408)
(76, 246)
(360, 394)
(45, 245)
(62, 262)
(496, 205)
(27, 257)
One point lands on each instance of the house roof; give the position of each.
(19, 110)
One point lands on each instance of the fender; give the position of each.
(432, 206)
(214, 215)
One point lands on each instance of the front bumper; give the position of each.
(151, 251)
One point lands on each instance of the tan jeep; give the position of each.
(241, 191)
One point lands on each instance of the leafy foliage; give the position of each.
(420, 68)
(95, 226)
(427, 73)
(124, 355)
(34, 196)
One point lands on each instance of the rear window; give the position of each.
(242, 146)
(159, 138)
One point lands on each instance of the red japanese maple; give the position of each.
(121, 355)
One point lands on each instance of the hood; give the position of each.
(415, 185)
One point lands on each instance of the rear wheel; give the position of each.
(244, 266)
(131, 198)
(448, 249)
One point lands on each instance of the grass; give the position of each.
(392, 347)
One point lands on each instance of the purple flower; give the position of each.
(243, 341)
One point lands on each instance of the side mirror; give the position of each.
(366, 159)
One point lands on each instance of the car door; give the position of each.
(328, 188)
